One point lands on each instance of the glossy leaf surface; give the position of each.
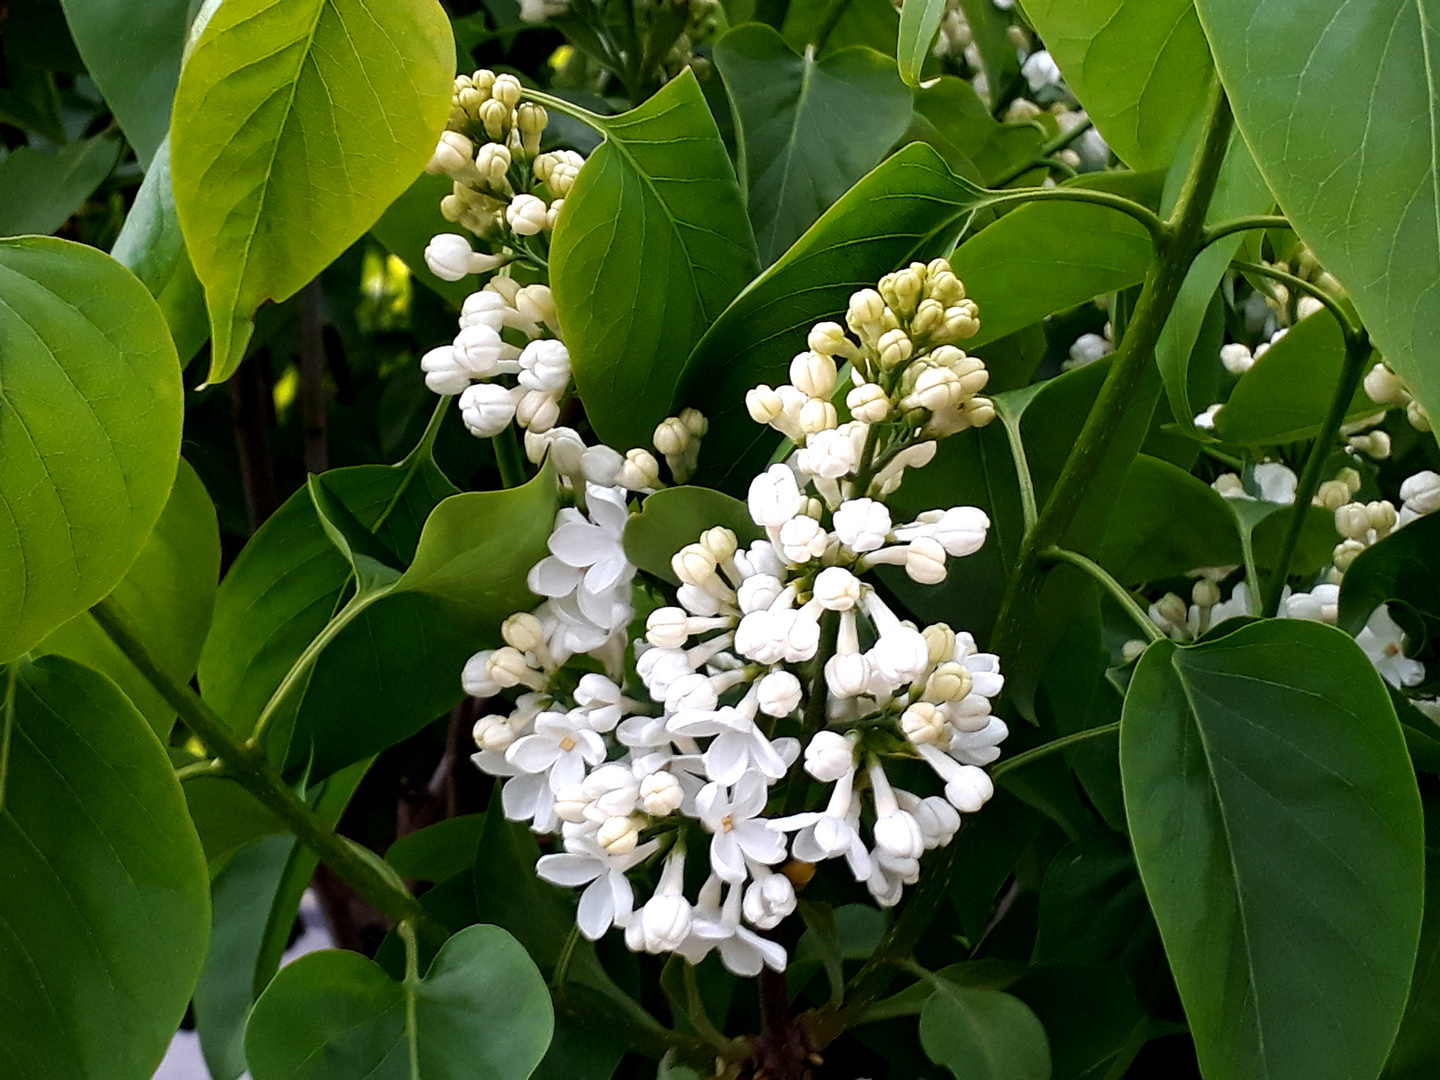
(1277, 829)
(982, 1034)
(89, 431)
(104, 903)
(296, 125)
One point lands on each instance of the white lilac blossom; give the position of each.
(679, 746)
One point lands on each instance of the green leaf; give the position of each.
(370, 561)
(874, 23)
(1047, 256)
(477, 547)
(1144, 544)
(482, 1012)
(133, 51)
(104, 903)
(39, 190)
(674, 517)
(1277, 829)
(1401, 569)
(919, 23)
(408, 225)
(905, 208)
(952, 118)
(226, 816)
(984, 1035)
(286, 584)
(1141, 69)
(999, 61)
(169, 593)
(296, 125)
(1312, 82)
(438, 851)
(508, 893)
(1089, 1014)
(807, 129)
(1416, 1053)
(1286, 395)
(651, 245)
(241, 893)
(89, 431)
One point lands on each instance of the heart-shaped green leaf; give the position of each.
(482, 1012)
(1277, 828)
(89, 431)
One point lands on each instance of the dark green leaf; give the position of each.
(438, 851)
(1402, 567)
(1141, 69)
(1286, 395)
(481, 1012)
(984, 1035)
(1089, 1013)
(1312, 82)
(408, 225)
(39, 190)
(1416, 1053)
(651, 245)
(999, 61)
(132, 51)
(807, 129)
(104, 902)
(295, 126)
(168, 593)
(1145, 544)
(674, 517)
(370, 561)
(1277, 829)
(508, 894)
(1048, 256)
(874, 23)
(960, 127)
(904, 209)
(89, 431)
(241, 893)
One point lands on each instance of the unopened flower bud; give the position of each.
(801, 539)
(496, 118)
(720, 542)
(813, 373)
(508, 667)
(571, 802)
(641, 471)
(450, 258)
(695, 422)
(950, 681)
(1381, 515)
(618, 835)
(693, 565)
(962, 320)
(970, 789)
(1352, 521)
(537, 410)
(894, 347)
(922, 722)
(1205, 594)
(671, 437)
(506, 90)
(925, 561)
(526, 215)
(1384, 387)
(1235, 357)
(780, 693)
(828, 339)
(1332, 495)
(523, 631)
(837, 589)
(939, 642)
(453, 155)
(829, 756)
(1346, 552)
(660, 794)
(868, 403)
(1421, 492)
(764, 404)
(493, 733)
(1172, 610)
(866, 311)
(818, 415)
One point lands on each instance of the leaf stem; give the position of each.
(12, 676)
(1011, 423)
(1042, 155)
(1243, 224)
(1181, 239)
(212, 767)
(252, 771)
(1357, 352)
(508, 458)
(1019, 761)
(1348, 326)
(1159, 233)
(412, 994)
(1117, 591)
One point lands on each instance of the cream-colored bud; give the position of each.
(1172, 609)
(531, 118)
(1350, 477)
(1351, 520)
(671, 437)
(867, 309)
(507, 90)
(661, 794)
(496, 118)
(828, 339)
(1417, 416)
(1376, 444)
(935, 389)
(720, 542)
(1381, 515)
(523, 631)
(1345, 553)
(1205, 594)
(452, 155)
(923, 722)
(902, 289)
(618, 835)
(640, 472)
(764, 404)
(868, 403)
(470, 101)
(949, 682)
(939, 642)
(813, 373)
(1332, 495)
(493, 733)
(507, 666)
(818, 415)
(526, 215)
(492, 162)
(812, 507)
(695, 422)
(483, 81)
(979, 411)
(928, 316)
(693, 565)
(962, 320)
(894, 347)
(1132, 650)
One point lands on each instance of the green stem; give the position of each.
(412, 994)
(12, 676)
(214, 767)
(1011, 423)
(1348, 326)
(1357, 352)
(1019, 761)
(1132, 363)
(508, 458)
(252, 771)
(1054, 146)
(1244, 224)
(1157, 229)
(704, 1026)
(1117, 591)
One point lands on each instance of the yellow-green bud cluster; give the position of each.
(503, 186)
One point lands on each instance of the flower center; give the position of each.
(567, 743)
(1392, 648)
(727, 823)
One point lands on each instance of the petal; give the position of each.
(711, 805)
(533, 753)
(596, 912)
(741, 957)
(725, 857)
(519, 796)
(765, 757)
(773, 952)
(727, 757)
(578, 544)
(762, 844)
(749, 797)
(568, 870)
(551, 577)
(569, 768)
(807, 850)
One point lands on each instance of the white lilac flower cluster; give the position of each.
(753, 727)
(1360, 524)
